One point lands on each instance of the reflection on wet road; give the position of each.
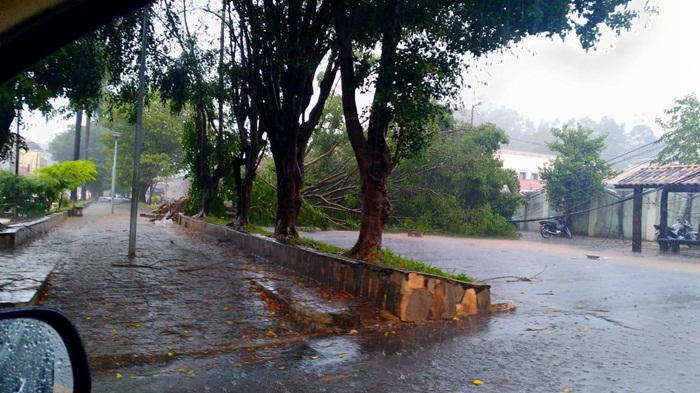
(622, 323)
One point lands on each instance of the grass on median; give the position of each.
(384, 257)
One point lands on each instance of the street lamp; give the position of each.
(471, 122)
(114, 169)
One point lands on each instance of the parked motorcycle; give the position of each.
(554, 227)
(679, 230)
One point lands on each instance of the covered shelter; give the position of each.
(668, 178)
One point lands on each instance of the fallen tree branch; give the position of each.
(194, 269)
(516, 278)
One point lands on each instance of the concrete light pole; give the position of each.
(471, 122)
(114, 169)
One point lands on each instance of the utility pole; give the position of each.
(76, 148)
(87, 146)
(471, 122)
(15, 213)
(114, 170)
(135, 191)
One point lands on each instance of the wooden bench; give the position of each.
(675, 244)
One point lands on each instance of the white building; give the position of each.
(526, 165)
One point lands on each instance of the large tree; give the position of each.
(681, 132)
(420, 46)
(77, 72)
(458, 186)
(289, 41)
(161, 149)
(62, 145)
(578, 172)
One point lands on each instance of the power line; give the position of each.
(623, 200)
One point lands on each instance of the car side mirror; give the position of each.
(41, 351)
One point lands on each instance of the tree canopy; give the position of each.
(578, 172)
(409, 54)
(72, 173)
(682, 132)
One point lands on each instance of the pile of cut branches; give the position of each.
(167, 210)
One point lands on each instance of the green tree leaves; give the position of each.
(682, 137)
(72, 173)
(577, 174)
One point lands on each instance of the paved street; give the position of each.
(184, 317)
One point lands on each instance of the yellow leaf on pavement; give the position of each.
(282, 368)
(477, 382)
(314, 357)
(353, 331)
(119, 375)
(132, 377)
(342, 355)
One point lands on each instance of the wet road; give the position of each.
(623, 323)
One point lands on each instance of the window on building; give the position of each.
(523, 175)
(535, 176)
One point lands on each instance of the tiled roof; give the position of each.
(658, 176)
(531, 185)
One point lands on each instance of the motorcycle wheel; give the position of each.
(545, 233)
(568, 232)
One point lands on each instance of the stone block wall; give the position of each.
(22, 233)
(409, 295)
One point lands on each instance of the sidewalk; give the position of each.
(183, 296)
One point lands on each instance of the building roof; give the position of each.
(530, 185)
(677, 178)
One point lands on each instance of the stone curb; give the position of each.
(411, 296)
(305, 307)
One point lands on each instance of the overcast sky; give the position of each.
(632, 78)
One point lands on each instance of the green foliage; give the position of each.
(155, 200)
(33, 196)
(77, 72)
(387, 257)
(383, 257)
(317, 245)
(264, 200)
(458, 186)
(216, 220)
(331, 176)
(71, 173)
(577, 173)
(161, 143)
(62, 145)
(682, 132)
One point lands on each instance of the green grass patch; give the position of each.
(317, 245)
(216, 220)
(384, 257)
(387, 257)
(250, 228)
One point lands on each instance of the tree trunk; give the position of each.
(142, 191)
(207, 185)
(372, 153)
(289, 180)
(7, 115)
(376, 206)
